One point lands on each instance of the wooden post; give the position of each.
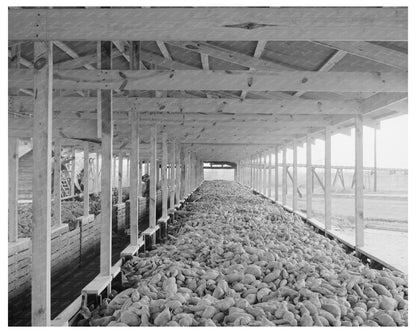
(57, 183)
(183, 171)
(135, 178)
(276, 174)
(99, 113)
(85, 180)
(114, 169)
(13, 188)
(41, 220)
(328, 224)
(375, 159)
(139, 178)
(106, 172)
(269, 193)
(153, 166)
(308, 176)
(164, 175)
(172, 174)
(359, 186)
(97, 172)
(73, 172)
(295, 176)
(178, 172)
(127, 181)
(120, 178)
(284, 176)
(251, 171)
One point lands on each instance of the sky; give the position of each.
(392, 143)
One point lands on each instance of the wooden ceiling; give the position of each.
(227, 82)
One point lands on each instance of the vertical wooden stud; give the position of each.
(13, 187)
(164, 175)
(295, 176)
(172, 174)
(135, 178)
(178, 172)
(86, 179)
(153, 176)
(41, 220)
(284, 176)
(106, 172)
(269, 182)
(359, 184)
(120, 178)
(328, 224)
(57, 183)
(308, 176)
(276, 174)
(73, 171)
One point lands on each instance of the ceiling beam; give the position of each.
(327, 65)
(196, 105)
(261, 44)
(218, 80)
(210, 23)
(371, 51)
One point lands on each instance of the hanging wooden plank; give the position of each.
(135, 180)
(276, 173)
(13, 188)
(233, 23)
(328, 189)
(57, 184)
(164, 175)
(120, 178)
(106, 172)
(219, 80)
(284, 176)
(86, 179)
(41, 220)
(153, 176)
(295, 176)
(359, 183)
(308, 177)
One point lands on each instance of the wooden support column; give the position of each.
(276, 173)
(295, 176)
(164, 175)
(127, 181)
(153, 176)
(135, 179)
(106, 172)
(359, 184)
(328, 224)
(120, 178)
(308, 176)
(172, 177)
(183, 171)
(41, 220)
(13, 188)
(86, 180)
(114, 169)
(139, 179)
(375, 159)
(57, 183)
(178, 172)
(251, 171)
(187, 171)
(97, 172)
(73, 175)
(269, 185)
(284, 176)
